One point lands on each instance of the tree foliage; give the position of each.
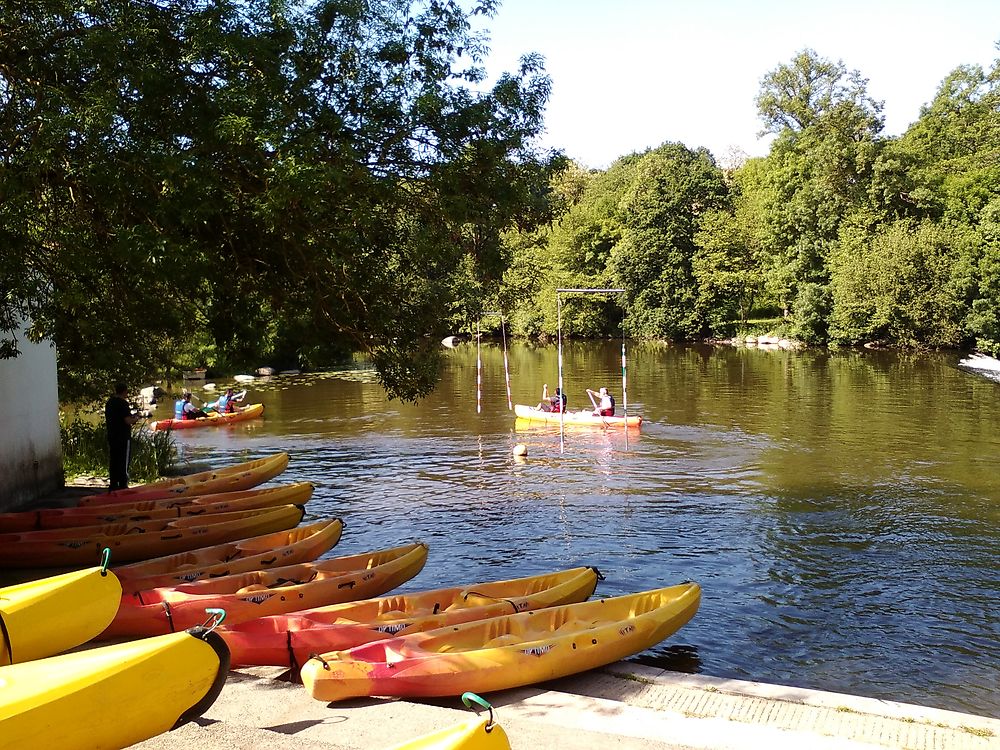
(281, 178)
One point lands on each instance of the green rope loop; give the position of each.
(469, 698)
(105, 559)
(216, 617)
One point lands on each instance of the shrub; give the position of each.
(85, 451)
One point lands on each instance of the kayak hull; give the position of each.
(474, 734)
(243, 476)
(264, 552)
(113, 696)
(153, 510)
(212, 420)
(504, 652)
(51, 615)
(250, 595)
(289, 640)
(575, 418)
(128, 542)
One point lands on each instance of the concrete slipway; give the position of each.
(624, 705)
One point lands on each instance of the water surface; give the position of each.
(840, 510)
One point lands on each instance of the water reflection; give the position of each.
(839, 510)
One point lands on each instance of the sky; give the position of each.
(629, 75)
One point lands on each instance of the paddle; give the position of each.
(597, 409)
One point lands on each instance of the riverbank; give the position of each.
(626, 706)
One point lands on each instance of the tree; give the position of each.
(819, 169)
(670, 191)
(248, 170)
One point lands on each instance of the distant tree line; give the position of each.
(838, 236)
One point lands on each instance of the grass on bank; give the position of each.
(85, 451)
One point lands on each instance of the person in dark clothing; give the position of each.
(118, 419)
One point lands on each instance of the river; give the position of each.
(840, 510)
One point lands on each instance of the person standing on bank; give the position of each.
(118, 419)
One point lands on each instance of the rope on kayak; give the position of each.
(293, 663)
(469, 698)
(216, 617)
(170, 617)
(321, 660)
(467, 594)
(105, 559)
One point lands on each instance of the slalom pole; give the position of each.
(479, 371)
(562, 411)
(624, 391)
(506, 368)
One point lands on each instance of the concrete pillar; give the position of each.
(30, 449)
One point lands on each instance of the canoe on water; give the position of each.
(504, 652)
(587, 418)
(249, 595)
(289, 640)
(212, 420)
(82, 545)
(243, 476)
(150, 510)
(296, 545)
(113, 696)
(51, 615)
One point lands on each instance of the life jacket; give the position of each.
(559, 403)
(179, 409)
(608, 411)
(224, 405)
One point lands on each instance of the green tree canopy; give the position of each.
(269, 176)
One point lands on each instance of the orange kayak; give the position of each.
(289, 640)
(82, 545)
(300, 544)
(212, 420)
(229, 479)
(246, 596)
(504, 652)
(149, 510)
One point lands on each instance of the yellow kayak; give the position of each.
(149, 510)
(114, 696)
(474, 734)
(246, 596)
(289, 640)
(296, 545)
(140, 541)
(575, 418)
(52, 615)
(504, 652)
(227, 479)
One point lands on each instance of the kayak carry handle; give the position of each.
(105, 559)
(216, 617)
(469, 698)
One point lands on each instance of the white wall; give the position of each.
(30, 453)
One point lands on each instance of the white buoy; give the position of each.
(520, 450)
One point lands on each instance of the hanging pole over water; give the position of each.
(479, 371)
(506, 364)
